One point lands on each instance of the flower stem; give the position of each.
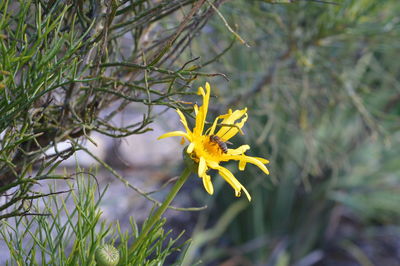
(157, 215)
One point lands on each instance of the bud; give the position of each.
(107, 255)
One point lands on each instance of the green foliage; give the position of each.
(62, 64)
(69, 231)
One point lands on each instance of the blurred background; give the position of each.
(321, 82)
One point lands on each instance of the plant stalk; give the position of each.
(157, 215)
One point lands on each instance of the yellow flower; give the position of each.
(208, 148)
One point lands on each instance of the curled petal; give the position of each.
(254, 161)
(208, 184)
(264, 161)
(200, 119)
(230, 178)
(235, 184)
(247, 193)
(242, 165)
(175, 134)
(201, 92)
(243, 159)
(190, 147)
(238, 151)
(208, 92)
(202, 167)
(226, 115)
(183, 121)
(231, 117)
(213, 165)
(202, 111)
(228, 132)
(214, 125)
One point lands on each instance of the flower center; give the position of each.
(211, 147)
(207, 148)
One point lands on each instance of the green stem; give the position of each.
(157, 215)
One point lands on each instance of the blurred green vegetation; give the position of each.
(68, 229)
(67, 69)
(322, 85)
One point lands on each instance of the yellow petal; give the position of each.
(231, 117)
(214, 125)
(264, 161)
(202, 111)
(226, 115)
(212, 164)
(183, 121)
(175, 134)
(227, 132)
(190, 147)
(230, 178)
(208, 88)
(200, 91)
(247, 193)
(202, 167)
(208, 184)
(242, 165)
(200, 119)
(235, 184)
(254, 161)
(238, 151)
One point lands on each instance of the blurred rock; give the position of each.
(146, 150)
(98, 147)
